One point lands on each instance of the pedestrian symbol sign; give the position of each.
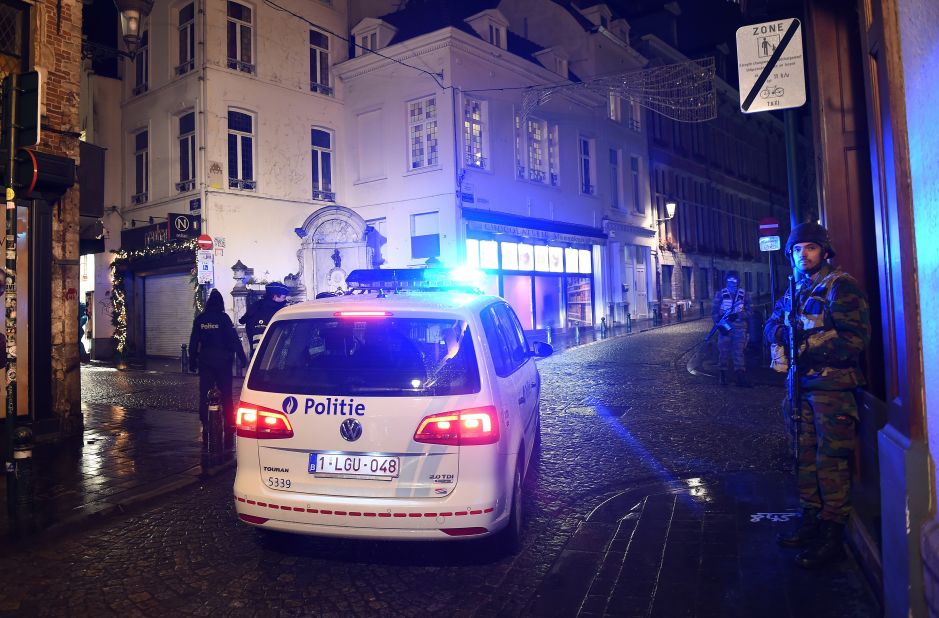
(770, 67)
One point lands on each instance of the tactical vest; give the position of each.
(736, 301)
(812, 299)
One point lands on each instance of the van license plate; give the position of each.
(369, 466)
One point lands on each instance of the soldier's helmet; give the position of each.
(732, 274)
(810, 232)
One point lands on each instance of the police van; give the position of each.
(408, 409)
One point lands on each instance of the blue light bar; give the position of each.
(417, 279)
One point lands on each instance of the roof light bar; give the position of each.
(423, 279)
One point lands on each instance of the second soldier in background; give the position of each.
(731, 311)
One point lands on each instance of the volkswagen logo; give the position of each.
(350, 430)
(290, 405)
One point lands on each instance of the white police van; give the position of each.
(407, 410)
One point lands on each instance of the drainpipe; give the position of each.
(459, 232)
(203, 120)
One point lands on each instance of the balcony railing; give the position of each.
(537, 175)
(588, 189)
(324, 196)
(634, 124)
(185, 185)
(246, 67)
(520, 171)
(321, 88)
(474, 160)
(238, 183)
(139, 89)
(138, 198)
(185, 67)
(555, 181)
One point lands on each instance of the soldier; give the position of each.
(731, 309)
(832, 329)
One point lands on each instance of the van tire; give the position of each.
(509, 539)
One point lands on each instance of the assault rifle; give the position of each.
(724, 324)
(794, 391)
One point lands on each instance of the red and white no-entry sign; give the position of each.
(769, 226)
(205, 242)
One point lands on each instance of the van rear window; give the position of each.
(387, 357)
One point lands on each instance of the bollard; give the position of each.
(629, 322)
(603, 327)
(20, 473)
(679, 311)
(701, 309)
(183, 359)
(548, 333)
(577, 334)
(215, 423)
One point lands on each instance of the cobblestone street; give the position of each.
(657, 493)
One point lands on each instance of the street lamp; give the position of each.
(132, 12)
(670, 206)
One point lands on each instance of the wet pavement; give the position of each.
(657, 493)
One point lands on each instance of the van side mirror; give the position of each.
(541, 349)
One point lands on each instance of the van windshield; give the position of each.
(375, 356)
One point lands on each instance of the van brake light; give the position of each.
(362, 314)
(261, 423)
(460, 427)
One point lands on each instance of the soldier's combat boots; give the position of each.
(723, 378)
(740, 377)
(828, 549)
(805, 534)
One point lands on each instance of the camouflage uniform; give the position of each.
(731, 346)
(835, 329)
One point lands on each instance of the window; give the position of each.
(239, 37)
(536, 150)
(560, 67)
(141, 167)
(635, 116)
(322, 157)
(367, 42)
(187, 153)
(587, 184)
(187, 40)
(615, 108)
(240, 150)
(425, 235)
(667, 281)
(616, 192)
(422, 132)
(319, 63)
(497, 35)
(474, 135)
(141, 64)
(638, 204)
(686, 272)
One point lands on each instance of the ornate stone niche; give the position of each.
(334, 245)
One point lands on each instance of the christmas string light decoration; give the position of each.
(123, 259)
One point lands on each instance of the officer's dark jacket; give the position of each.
(214, 342)
(835, 328)
(259, 316)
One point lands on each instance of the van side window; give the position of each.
(517, 348)
(515, 328)
(498, 344)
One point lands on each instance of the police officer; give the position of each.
(213, 345)
(259, 315)
(732, 308)
(833, 328)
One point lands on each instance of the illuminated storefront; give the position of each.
(544, 269)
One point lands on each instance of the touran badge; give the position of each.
(350, 430)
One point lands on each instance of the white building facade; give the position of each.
(303, 164)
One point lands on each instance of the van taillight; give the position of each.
(261, 423)
(460, 428)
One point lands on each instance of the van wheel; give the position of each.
(510, 538)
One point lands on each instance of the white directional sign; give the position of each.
(769, 243)
(770, 67)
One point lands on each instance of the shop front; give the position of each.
(544, 269)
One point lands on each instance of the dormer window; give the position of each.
(370, 35)
(560, 66)
(554, 59)
(491, 26)
(497, 35)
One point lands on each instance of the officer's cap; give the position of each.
(276, 288)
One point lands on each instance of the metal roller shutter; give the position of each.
(168, 313)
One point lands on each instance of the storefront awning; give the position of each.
(528, 227)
